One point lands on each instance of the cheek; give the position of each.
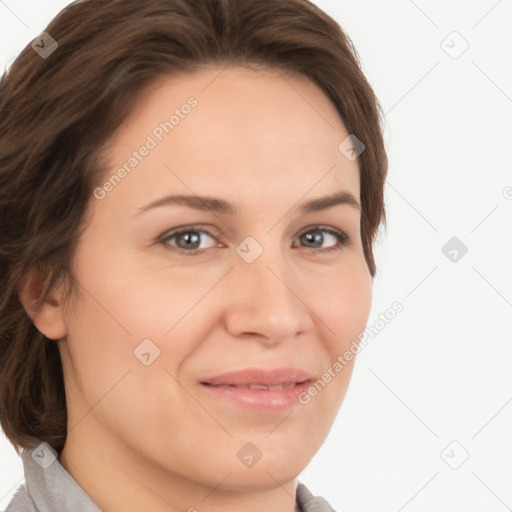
(123, 303)
(343, 303)
(124, 300)
(345, 310)
(115, 372)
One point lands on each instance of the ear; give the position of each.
(48, 319)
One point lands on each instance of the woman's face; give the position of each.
(254, 281)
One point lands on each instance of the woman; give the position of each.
(190, 193)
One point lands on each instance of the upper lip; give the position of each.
(260, 376)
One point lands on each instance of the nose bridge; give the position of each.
(263, 264)
(264, 300)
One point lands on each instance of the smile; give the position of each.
(258, 390)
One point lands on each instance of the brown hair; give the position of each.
(58, 112)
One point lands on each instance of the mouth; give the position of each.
(258, 390)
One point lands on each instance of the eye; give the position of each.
(315, 236)
(188, 240)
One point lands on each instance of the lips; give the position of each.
(260, 391)
(257, 378)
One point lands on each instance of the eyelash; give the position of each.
(343, 239)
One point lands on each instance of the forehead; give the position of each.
(249, 132)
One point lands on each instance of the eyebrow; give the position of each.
(221, 206)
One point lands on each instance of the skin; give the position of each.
(150, 437)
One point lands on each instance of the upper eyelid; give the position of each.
(196, 227)
(186, 229)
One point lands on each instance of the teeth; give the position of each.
(260, 386)
(269, 388)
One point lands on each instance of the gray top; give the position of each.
(49, 487)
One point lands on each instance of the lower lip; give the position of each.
(260, 400)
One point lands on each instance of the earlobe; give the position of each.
(48, 318)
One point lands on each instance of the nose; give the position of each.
(265, 300)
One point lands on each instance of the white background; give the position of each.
(440, 371)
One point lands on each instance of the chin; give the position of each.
(275, 467)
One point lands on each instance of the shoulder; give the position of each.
(21, 501)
